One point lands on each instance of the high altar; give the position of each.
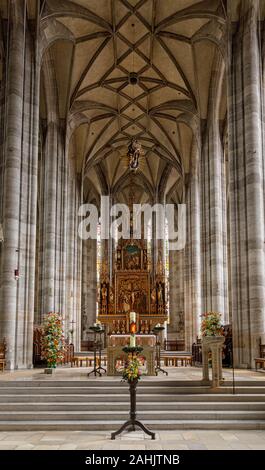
(131, 287)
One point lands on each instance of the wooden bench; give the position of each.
(78, 361)
(89, 360)
(2, 356)
(260, 361)
(173, 360)
(174, 345)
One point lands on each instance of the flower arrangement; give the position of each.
(53, 342)
(133, 368)
(211, 324)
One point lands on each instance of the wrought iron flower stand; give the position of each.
(132, 421)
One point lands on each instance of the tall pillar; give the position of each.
(73, 266)
(185, 268)
(53, 192)
(89, 285)
(20, 190)
(53, 224)
(176, 328)
(193, 257)
(213, 209)
(246, 163)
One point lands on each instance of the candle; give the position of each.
(132, 341)
(132, 317)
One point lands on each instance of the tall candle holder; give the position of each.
(98, 330)
(157, 330)
(132, 421)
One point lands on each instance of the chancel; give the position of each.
(132, 214)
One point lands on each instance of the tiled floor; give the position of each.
(167, 440)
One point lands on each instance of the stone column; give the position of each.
(52, 202)
(70, 304)
(213, 213)
(20, 190)
(89, 285)
(193, 257)
(49, 293)
(246, 163)
(78, 268)
(176, 328)
(73, 266)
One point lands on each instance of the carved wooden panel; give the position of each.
(132, 292)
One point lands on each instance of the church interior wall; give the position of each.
(203, 135)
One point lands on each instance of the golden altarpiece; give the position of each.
(132, 289)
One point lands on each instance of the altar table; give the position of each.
(116, 354)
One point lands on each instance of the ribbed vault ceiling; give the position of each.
(170, 47)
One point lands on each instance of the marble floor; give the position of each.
(165, 440)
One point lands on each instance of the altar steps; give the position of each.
(103, 404)
(112, 391)
(121, 398)
(116, 407)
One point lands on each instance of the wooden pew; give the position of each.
(77, 360)
(175, 359)
(2, 356)
(261, 359)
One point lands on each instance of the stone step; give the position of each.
(124, 406)
(104, 404)
(100, 382)
(105, 382)
(114, 425)
(113, 415)
(124, 397)
(36, 390)
(94, 390)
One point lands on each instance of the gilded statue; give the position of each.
(160, 294)
(153, 296)
(111, 296)
(126, 304)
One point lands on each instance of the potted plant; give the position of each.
(53, 342)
